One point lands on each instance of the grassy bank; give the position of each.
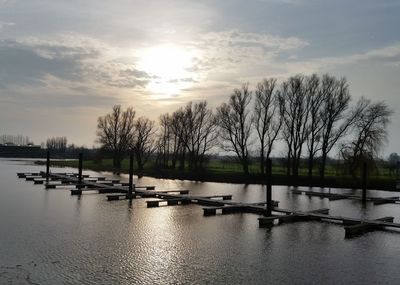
(231, 173)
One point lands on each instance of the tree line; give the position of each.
(15, 140)
(311, 115)
(57, 144)
(59, 148)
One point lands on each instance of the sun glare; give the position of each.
(168, 65)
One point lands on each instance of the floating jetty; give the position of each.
(214, 204)
(337, 196)
(167, 197)
(352, 226)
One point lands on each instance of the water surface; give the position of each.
(51, 237)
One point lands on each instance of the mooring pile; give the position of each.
(272, 214)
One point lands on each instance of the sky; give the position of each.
(65, 63)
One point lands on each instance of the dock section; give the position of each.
(272, 214)
(337, 196)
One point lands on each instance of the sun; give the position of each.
(165, 61)
(169, 67)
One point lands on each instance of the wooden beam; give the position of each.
(364, 227)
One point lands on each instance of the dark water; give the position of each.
(50, 237)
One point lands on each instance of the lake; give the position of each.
(51, 237)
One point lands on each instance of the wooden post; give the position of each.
(130, 191)
(269, 187)
(47, 166)
(80, 171)
(364, 183)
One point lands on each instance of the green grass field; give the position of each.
(217, 168)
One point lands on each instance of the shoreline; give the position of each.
(340, 182)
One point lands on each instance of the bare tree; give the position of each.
(315, 124)
(180, 132)
(394, 163)
(15, 139)
(174, 139)
(164, 138)
(201, 125)
(266, 118)
(294, 109)
(189, 131)
(235, 125)
(370, 129)
(115, 132)
(143, 145)
(334, 118)
(57, 144)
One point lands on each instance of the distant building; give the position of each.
(28, 151)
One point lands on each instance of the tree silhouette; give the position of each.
(267, 121)
(315, 125)
(234, 123)
(116, 132)
(311, 114)
(370, 132)
(143, 144)
(201, 136)
(335, 123)
(294, 110)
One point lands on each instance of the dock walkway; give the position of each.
(168, 197)
(336, 196)
(118, 190)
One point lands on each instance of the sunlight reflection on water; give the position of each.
(50, 237)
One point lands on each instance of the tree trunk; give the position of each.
(245, 165)
(191, 160)
(182, 161)
(139, 162)
(173, 166)
(262, 162)
(165, 158)
(116, 160)
(310, 166)
(288, 165)
(322, 167)
(295, 169)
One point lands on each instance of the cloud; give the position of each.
(6, 2)
(22, 65)
(85, 61)
(239, 39)
(389, 54)
(186, 79)
(233, 50)
(122, 75)
(70, 57)
(136, 73)
(5, 24)
(66, 72)
(62, 97)
(384, 56)
(291, 2)
(283, 64)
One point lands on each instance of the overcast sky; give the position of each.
(64, 63)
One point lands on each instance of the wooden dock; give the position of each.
(352, 226)
(336, 196)
(235, 207)
(119, 190)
